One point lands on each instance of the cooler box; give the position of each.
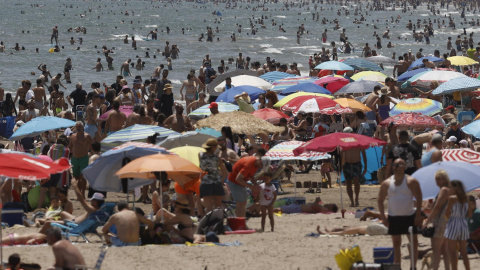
(12, 216)
(237, 224)
(383, 255)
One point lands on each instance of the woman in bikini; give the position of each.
(190, 89)
(180, 217)
(197, 103)
(261, 101)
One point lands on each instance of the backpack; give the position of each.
(213, 221)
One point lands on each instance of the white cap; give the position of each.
(348, 130)
(452, 139)
(98, 196)
(464, 142)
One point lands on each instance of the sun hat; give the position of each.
(210, 143)
(384, 91)
(167, 86)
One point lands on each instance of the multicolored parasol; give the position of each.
(280, 85)
(413, 120)
(421, 105)
(286, 99)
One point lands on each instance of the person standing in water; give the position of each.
(54, 35)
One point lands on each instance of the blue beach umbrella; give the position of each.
(409, 74)
(276, 75)
(305, 87)
(458, 84)
(359, 63)
(334, 65)
(363, 86)
(101, 174)
(38, 125)
(407, 83)
(419, 61)
(134, 133)
(472, 129)
(229, 95)
(204, 111)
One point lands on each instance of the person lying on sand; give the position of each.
(24, 239)
(310, 208)
(371, 229)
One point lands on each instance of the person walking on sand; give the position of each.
(352, 169)
(402, 190)
(80, 144)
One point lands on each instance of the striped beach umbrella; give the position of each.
(286, 99)
(134, 133)
(276, 75)
(459, 84)
(284, 151)
(204, 111)
(463, 154)
(440, 76)
(280, 85)
(359, 63)
(421, 105)
(409, 74)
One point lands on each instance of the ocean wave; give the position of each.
(273, 50)
(280, 16)
(266, 45)
(153, 25)
(281, 37)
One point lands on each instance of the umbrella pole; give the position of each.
(340, 185)
(295, 175)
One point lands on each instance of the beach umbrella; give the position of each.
(412, 120)
(461, 61)
(247, 80)
(209, 131)
(344, 141)
(441, 76)
(358, 87)
(189, 153)
(282, 84)
(421, 105)
(459, 84)
(286, 99)
(359, 63)
(352, 104)
(276, 75)
(465, 172)
(409, 74)
(419, 62)
(189, 138)
(271, 115)
(305, 87)
(284, 151)
(134, 133)
(101, 174)
(239, 122)
(472, 129)
(229, 95)
(296, 103)
(461, 154)
(27, 167)
(408, 82)
(177, 168)
(380, 59)
(220, 79)
(204, 111)
(38, 125)
(369, 76)
(333, 65)
(313, 105)
(332, 83)
(127, 110)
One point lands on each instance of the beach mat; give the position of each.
(240, 232)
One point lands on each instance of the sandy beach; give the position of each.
(286, 248)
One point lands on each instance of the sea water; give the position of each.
(146, 16)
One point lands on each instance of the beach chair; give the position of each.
(89, 225)
(98, 264)
(79, 113)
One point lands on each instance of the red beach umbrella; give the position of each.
(20, 166)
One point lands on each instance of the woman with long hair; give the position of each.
(272, 99)
(228, 134)
(262, 102)
(8, 107)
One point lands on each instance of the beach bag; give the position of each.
(347, 257)
(381, 174)
(213, 221)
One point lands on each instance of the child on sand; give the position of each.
(326, 168)
(44, 111)
(268, 195)
(456, 232)
(52, 213)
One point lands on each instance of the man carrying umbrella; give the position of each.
(352, 169)
(80, 144)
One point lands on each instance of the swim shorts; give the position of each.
(291, 209)
(119, 243)
(21, 102)
(91, 129)
(125, 74)
(239, 193)
(215, 189)
(352, 170)
(38, 105)
(399, 224)
(78, 165)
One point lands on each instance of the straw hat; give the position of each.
(167, 86)
(210, 143)
(384, 91)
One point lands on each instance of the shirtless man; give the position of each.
(39, 95)
(127, 223)
(92, 114)
(157, 71)
(98, 66)
(167, 49)
(391, 83)
(54, 35)
(134, 118)
(67, 256)
(80, 144)
(352, 170)
(401, 67)
(226, 153)
(310, 208)
(57, 80)
(370, 101)
(21, 93)
(30, 112)
(178, 121)
(150, 108)
(427, 63)
(115, 120)
(240, 63)
(109, 60)
(190, 89)
(125, 68)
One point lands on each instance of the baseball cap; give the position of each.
(98, 196)
(348, 130)
(452, 139)
(450, 107)
(464, 142)
(213, 105)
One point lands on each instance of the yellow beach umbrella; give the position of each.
(189, 153)
(352, 104)
(369, 76)
(461, 61)
(286, 99)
